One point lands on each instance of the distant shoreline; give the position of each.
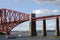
(37, 30)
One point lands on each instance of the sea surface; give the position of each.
(24, 35)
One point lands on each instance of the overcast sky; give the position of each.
(39, 7)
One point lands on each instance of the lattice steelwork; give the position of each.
(10, 19)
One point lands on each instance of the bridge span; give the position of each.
(11, 18)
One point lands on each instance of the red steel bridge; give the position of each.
(11, 18)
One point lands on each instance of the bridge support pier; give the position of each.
(57, 27)
(2, 33)
(7, 33)
(32, 31)
(44, 28)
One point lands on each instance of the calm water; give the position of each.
(24, 36)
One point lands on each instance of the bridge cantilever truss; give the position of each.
(10, 18)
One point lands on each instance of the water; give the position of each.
(24, 36)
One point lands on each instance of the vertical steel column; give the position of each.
(0, 22)
(0, 16)
(6, 24)
(32, 31)
(44, 28)
(57, 27)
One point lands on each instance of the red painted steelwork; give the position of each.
(46, 17)
(10, 19)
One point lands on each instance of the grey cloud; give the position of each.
(55, 2)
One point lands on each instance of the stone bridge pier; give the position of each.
(32, 26)
(57, 27)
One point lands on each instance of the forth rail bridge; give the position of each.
(11, 18)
